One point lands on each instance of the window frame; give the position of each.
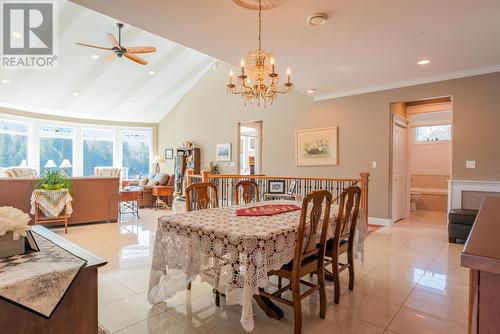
(431, 142)
(19, 133)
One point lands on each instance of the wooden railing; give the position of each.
(225, 185)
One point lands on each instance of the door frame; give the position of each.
(259, 144)
(398, 120)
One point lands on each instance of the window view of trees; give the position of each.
(56, 143)
(13, 143)
(136, 152)
(97, 150)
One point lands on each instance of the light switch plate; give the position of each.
(374, 164)
(470, 164)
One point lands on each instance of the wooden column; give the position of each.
(204, 175)
(364, 193)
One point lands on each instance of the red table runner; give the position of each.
(267, 210)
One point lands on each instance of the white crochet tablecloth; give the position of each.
(233, 253)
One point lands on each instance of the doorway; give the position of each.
(421, 158)
(250, 148)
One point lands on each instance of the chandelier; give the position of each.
(258, 83)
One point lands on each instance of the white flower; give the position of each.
(13, 220)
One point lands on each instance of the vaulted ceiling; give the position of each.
(116, 89)
(364, 46)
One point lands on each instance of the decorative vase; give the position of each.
(10, 247)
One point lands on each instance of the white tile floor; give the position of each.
(410, 281)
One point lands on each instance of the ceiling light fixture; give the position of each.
(17, 34)
(311, 91)
(424, 62)
(95, 57)
(5, 81)
(258, 82)
(317, 19)
(75, 93)
(151, 72)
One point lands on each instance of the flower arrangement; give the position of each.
(213, 168)
(13, 220)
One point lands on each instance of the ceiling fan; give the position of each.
(120, 51)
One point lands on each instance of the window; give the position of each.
(13, 143)
(56, 144)
(432, 133)
(136, 151)
(97, 149)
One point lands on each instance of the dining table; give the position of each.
(232, 253)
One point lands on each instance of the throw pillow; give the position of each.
(152, 182)
(143, 181)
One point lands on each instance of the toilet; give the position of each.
(414, 197)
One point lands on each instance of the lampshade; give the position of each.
(65, 164)
(156, 159)
(23, 163)
(50, 164)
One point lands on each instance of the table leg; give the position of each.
(271, 309)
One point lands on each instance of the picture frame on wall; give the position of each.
(169, 153)
(317, 147)
(223, 152)
(276, 187)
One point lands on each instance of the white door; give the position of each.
(399, 193)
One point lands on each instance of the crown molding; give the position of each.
(412, 82)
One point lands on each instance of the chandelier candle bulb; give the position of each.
(288, 74)
(272, 64)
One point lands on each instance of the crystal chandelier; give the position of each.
(258, 83)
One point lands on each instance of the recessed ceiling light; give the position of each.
(95, 57)
(311, 91)
(424, 62)
(317, 19)
(75, 93)
(128, 103)
(17, 34)
(5, 81)
(151, 72)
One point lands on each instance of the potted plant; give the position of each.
(53, 180)
(13, 226)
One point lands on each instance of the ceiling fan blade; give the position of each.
(141, 49)
(93, 46)
(135, 58)
(113, 40)
(111, 56)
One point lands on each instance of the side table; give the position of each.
(161, 191)
(129, 202)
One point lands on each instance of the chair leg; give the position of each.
(322, 293)
(336, 279)
(350, 258)
(297, 311)
(280, 283)
(188, 286)
(217, 298)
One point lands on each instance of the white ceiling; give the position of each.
(364, 46)
(118, 90)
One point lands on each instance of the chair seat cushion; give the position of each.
(462, 216)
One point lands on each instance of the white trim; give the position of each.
(456, 187)
(380, 221)
(411, 82)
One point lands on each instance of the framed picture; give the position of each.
(223, 152)
(317, 147)
(169, 153)
(292, 188)
(276, 187)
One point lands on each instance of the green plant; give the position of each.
(53, 180)
(213, 168)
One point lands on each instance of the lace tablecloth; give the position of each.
(51, 202)
(233, 253)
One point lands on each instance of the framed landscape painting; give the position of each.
(317, 147)
(224, 152)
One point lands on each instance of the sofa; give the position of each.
(19, 173)
(154, 180)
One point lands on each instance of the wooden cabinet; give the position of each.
(482, 255)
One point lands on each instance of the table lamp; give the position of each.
(50, 164)
(65, 164)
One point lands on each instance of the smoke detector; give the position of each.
(317, 19)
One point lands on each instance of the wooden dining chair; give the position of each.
(201, 196)
(343, 240)
(249, 194)
(308, 258)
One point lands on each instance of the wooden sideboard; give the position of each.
(77, 310)
(482, 255)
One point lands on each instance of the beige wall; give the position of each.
(207, 116)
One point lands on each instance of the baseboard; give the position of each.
(379, 221)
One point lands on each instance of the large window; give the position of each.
(136, 152)
(13, 143)
(56, 144)
(432, 133)
(97, 149)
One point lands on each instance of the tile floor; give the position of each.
(410, 281)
